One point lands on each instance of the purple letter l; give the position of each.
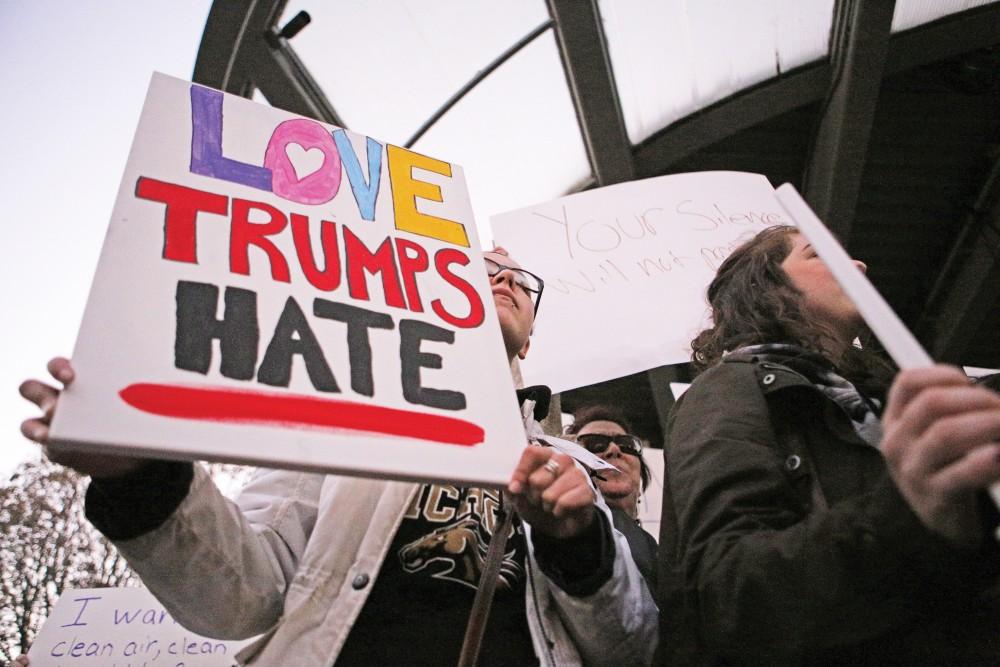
(206, 144)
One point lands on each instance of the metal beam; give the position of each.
(478, 79)
(858, 46)
(969, 284)
(286, 83)
(230, 26)
(663, 398)
(745, 109)
(584, 52)
(242, 49)
(949, 36)
(585, 58)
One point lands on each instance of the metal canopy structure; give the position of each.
(894, 137)
(859, 41)
(585, 58)
(243, 49)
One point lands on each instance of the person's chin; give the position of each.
(504, 301)
(614, 490)
(610, 478)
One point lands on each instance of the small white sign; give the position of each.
(122, 627)
(280, 292)
(626, 267)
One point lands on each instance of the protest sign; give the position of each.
(626, 267)
(122, 627)
(276, 291)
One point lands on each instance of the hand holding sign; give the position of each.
(942, 444)
(551, 493)
(46, 397)
(942, 437)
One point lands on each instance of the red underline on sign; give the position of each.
(271, 408)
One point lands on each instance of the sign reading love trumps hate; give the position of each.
(277, 291)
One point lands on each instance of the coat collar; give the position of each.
(541, 395)
(772, 377)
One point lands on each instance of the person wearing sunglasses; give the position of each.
(607, 432)
(354, 571)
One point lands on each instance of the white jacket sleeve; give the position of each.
(616, 625)
(222, 568)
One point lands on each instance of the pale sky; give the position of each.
(74, 77)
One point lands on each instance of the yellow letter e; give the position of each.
(406, 190)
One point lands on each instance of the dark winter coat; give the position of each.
(784, 541)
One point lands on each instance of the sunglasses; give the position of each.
(599, 442)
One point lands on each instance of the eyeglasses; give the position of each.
(599, 442)
(526, 280)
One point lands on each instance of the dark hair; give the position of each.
(608, 413)
(753, 301)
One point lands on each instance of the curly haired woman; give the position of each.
(812, 513)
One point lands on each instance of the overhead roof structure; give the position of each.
(885, 114)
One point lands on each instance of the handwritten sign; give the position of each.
(276, 291)
(122, 627)
(626, 267)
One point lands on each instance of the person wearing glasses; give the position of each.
(511, 284)
(350, 571)
(607, 432)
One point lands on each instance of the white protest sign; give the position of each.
(626, 267)
(281, 292)
(122, 627)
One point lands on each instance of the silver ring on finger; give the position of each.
(553, 467)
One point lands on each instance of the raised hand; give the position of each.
(551, 493)
(942, 445)
(46, 397)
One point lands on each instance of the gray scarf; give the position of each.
(862, 411)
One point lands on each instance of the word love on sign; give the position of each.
(276, 291)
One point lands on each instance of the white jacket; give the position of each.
(295, 558)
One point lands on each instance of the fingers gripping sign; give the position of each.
(551, 493)
(46, 397)
(942, 446)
